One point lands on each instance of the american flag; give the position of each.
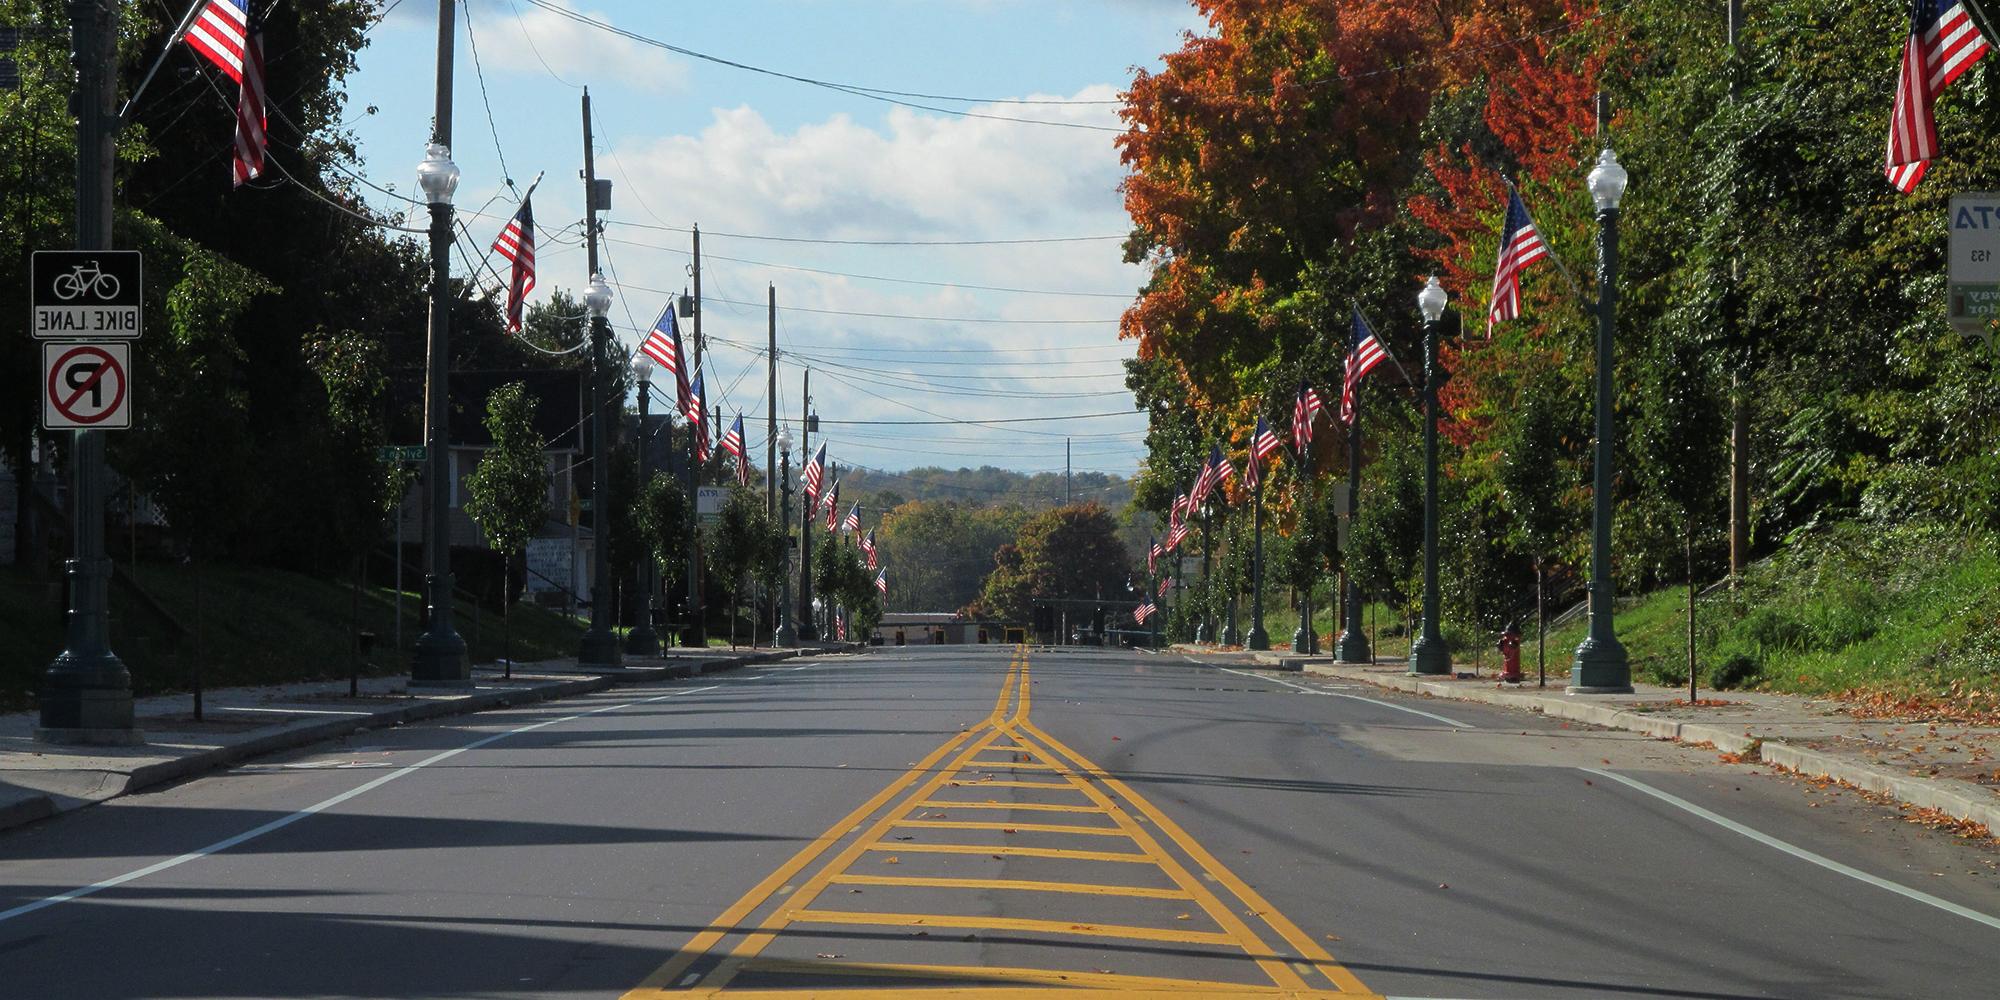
(517, 245)
(868, 548)
(1177, 535)
(833, 508)
(1367, 352)
(697, 419)
(1143, 612)
(1204, 481)
(1263, 444)
(732, 442)
(1153, 559)
(1221, 471)
(814, 475)
(1943, 43)
(664, 346)
(1165, 582)
(852, 522)
(1520, 245)
(248, 163)
(1304, 411)
(222, 34)
(882, 581)
(840, 627)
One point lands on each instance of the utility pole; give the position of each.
(87, 692)
(438, 659)
(807, 633)
(599, 647)
(771, 410)
(697, 631)
(1066, 491)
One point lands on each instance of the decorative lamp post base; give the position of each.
(438, 659)
(1229, 636)
(1258, 639)
(1352, 647)
(1301, 640)
(599, 649)
(642, 640)
(1601, 667)
(1201, 634)
(1429, 657)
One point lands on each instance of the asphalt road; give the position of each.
(987, 822)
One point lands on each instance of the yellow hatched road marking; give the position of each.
(1297, 938)
(1068, 927)
(981, 973)
(1013, 993)
(1008, 783)
(1009, 732)
(1008, 849)
(1021, 885)
(1050, 807)
(968, 824)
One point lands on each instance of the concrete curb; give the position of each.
(40, 807)
(1962, 800)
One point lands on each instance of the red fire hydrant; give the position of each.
(1510, 655)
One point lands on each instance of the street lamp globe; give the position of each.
(1607, 181)
(1432, 300)
(437, 176)
(785, 440)
(642, 366)
(597, 297)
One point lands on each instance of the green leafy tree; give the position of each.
(507, 494)
(1071, 553)
(663, 514)
(943, 549)
(1541, 486)
(1682, 443)
(739, 547)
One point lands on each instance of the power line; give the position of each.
(880, 277)
(870, 93)
(982, 423)
(880, 243)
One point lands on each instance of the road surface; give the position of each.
(994, 821)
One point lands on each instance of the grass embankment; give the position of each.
(259, 626)
(1905, 618)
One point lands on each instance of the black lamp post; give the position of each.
(599, 647)
(1428, 654)
(643, 640)
(1204, 631)
(1257, 638)
(1601, 665)
(787, 636)
(438, 658)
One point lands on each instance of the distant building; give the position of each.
(943, 628)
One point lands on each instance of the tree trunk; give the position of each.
(1693, 678)
(1739, 478)
(354, 626)
(199, 652)
(506, 619)
(1541, 624)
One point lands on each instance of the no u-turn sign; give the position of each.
(86, 386)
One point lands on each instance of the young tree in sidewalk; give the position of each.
(662, 520)
(1541, 485)
(1681, 439)
(739, 547)
(508, 493)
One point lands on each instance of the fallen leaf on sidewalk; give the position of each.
(1444, 885)
(891, 860)
(1333, 937)
(829, 954)
(1184, 916)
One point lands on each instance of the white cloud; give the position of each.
(514, 36)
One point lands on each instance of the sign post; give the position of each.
(1973, 302)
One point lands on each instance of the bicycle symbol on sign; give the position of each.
(86, 278)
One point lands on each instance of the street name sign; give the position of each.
(708, 502)
(86, 386)
(393, 453)
(86, 294)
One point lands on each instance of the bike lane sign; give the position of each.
(87, 386)
(87, 294)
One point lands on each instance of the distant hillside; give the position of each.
(983, 486)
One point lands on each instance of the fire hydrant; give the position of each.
(1510, 655)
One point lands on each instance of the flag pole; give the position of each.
(1977, 9)
(124, 113)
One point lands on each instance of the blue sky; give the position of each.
(687, 141)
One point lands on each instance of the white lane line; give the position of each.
(1454, 723)
(317, 807)
(1799, 852)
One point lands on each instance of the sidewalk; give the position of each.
(38, 780)
(1951, 768)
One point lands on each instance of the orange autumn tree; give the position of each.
(1257, 153)
(1537, 67)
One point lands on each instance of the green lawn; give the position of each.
(258, 626)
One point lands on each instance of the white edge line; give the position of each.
(1799, 852)
(1454, 723)
(320, 806)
